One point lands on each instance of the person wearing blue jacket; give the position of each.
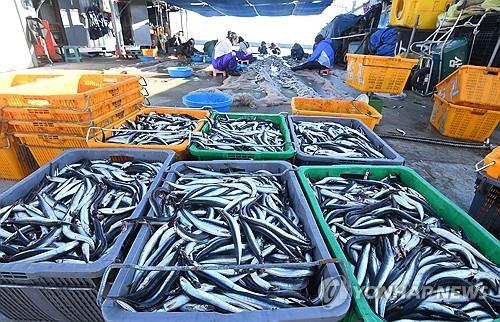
(322, 57)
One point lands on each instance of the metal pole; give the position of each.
(187, 28)
(495, 51)
(182, 23)
(412, 36)
(118, 33)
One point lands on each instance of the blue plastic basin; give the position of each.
(217, 101)
(146, 59)
(180, 72)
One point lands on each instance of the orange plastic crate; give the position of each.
(75, 128)
(377, 73)
(15, 79)
(463, 122)
(12, 164)
(71, 115)
(153, 52)
(491, 164)
(45, 147)
(72, 91)
(97, 142)
(336, 108)
(472, 86)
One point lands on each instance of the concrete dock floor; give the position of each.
(449, 169)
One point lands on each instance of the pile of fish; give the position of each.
(216, 218)
(242, 134)
(334, 140)
(75, 215)
(409, 263)
(274, 70)
(155, 129)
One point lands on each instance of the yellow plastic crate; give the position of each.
(97, 141)
(93, 112)
(12, 165)
(75, 128)
(463, 122)
(404, 13)
(336, 108)
(377, 73)
(77, 91)
(472, 86)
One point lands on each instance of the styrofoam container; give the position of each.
(66, 292)
(334, 311)
(302, 158)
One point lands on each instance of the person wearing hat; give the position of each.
(224, 57)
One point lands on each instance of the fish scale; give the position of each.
(407, 252)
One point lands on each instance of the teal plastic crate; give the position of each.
(445, 208)
(280, 120)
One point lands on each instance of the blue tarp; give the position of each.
(253, 8)
(383, 42)
(337, 26)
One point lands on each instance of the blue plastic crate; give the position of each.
(216, 101)
(66, 292)
(335, 311)
(180, 72)
(302, 158)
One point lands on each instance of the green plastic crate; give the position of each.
(451, 213)
(279, 120)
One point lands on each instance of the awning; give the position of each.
(253, 8)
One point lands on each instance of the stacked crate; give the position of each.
(11, 167)
(466, 104)
(52, 115)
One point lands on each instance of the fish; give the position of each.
(332, 139)
(154, 129)
(208, 228)
(408, 262)
(75, 214)
(240, 134)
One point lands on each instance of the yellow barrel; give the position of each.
(404, 13)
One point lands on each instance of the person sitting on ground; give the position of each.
(297, 52)
(224, 57)
(263, 48)
(209, 46)
(275, 49)
(322, 57)
(187, 49)
(244, 53)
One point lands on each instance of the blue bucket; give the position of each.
(180, 72)
(146, 59)
(217, 101)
